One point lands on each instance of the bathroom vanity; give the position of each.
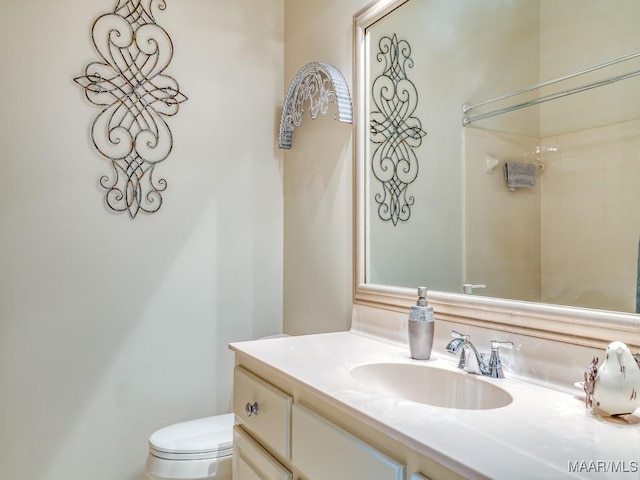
(350, 405)
(304, 430)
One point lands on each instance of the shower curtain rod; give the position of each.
(468, 120)
(466, 108)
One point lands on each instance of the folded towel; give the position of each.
(520, 174)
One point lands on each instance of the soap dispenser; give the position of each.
(421, 327)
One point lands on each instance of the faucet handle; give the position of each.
(468, 288)
(495, 364)
(454, 345)
(455, 334)
(495, 344)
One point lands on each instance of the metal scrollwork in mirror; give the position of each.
(129, 83)
(395, 130)
(471, 228)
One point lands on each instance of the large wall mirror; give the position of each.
(498, 161)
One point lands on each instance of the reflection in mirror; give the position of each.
(568, 232)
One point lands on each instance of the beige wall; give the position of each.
(111, 328)
(318, 177)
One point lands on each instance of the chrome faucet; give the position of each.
(472, 361)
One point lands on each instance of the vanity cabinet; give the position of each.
(284, 432)
(324, 451)
(252, 462)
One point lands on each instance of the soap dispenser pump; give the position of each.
(421, 327)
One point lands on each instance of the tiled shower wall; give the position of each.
(502, 228)
(590, 221)
(573, 239)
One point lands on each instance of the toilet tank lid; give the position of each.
(202, 435)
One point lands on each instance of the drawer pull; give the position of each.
(251, 409)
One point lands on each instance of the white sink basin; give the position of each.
(432, 385)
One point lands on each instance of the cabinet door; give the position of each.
(324, 451)
(252, 462)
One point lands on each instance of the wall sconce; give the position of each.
(320, 84)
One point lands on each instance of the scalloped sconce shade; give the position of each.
(320, 84)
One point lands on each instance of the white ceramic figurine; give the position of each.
(616, 388)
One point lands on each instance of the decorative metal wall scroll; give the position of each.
(394, 130)
(321, 84)
(130, 83)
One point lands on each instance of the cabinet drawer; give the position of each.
(252, 462)
(270, 422)
(324, 451)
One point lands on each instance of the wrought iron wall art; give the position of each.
(136, 95)
(394, 130)
(320, 84)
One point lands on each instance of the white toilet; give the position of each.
(194, 450)
(199, 449)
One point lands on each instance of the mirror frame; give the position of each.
(574, 325)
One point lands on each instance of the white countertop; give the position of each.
(537, 436)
